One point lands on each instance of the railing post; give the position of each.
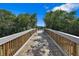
(1, 50)
(77, 49)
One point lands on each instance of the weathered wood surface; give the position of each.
(40, 45)
(66, 35)
(10, 44)
(69, 43)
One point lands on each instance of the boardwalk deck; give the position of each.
(40, 45)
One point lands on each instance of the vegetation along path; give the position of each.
(40, 45)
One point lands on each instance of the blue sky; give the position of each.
(39, 8)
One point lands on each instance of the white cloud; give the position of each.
(67, 7)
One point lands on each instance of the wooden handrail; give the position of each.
(69, 43)
(13, 36)
(66, 35)
(10, 44)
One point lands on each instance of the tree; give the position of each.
(10, 23)
(6, 22)
(33, 20)
(62, 21)
(25, 21)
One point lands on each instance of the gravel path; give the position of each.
(40, 45)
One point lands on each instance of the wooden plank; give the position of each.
(68, 45)
(1, 50)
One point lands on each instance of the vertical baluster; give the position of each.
(1, 50)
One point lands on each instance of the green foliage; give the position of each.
(62, 21)
(10, 23)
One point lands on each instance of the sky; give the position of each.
(39, 8)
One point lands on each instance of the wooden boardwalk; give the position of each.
(40, 45)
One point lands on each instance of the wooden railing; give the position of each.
(68, 43)
(10, 44)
